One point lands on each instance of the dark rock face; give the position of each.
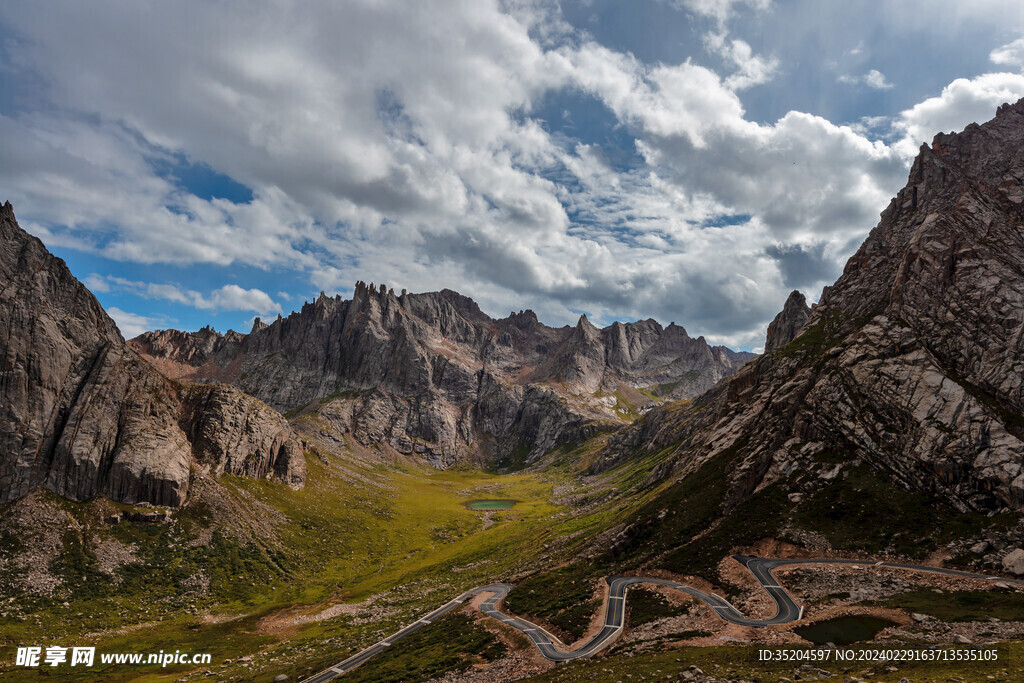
(85, 416)
(911, 361)
(432, 375)
(787, 324)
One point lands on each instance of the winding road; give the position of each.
(786, 609)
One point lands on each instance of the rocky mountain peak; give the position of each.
(787, 324)
(911, 360)
(83, 415)
(430, 373)
(585, 327)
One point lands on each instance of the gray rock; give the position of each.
(83, 415)
(1014, 562)
(980, 547)
(787, 324)
(430, 375)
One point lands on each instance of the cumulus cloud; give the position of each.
(720, 10)
(130, 324)
(235, 298)
(1011, 54)
(750, 69)
(873, 79)
(226, 298)
(96, 283)
(378, 148)
(961, 102)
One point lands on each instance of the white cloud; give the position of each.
(235, 298)
(750, 69)
(961, 102)
(720, 10)
(96, 283)
(227, 298)
(379, 148)
(873, 79)
(1011, 54)
(130, 324)
(876, 79)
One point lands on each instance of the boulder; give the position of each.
(1013, 562)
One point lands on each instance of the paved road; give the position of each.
(786, 609)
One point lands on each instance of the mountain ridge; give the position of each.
(83, 415)
(431, 374)
(909, 362)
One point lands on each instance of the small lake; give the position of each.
(490, 504)
(844, 630)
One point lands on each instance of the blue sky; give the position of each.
(687, 160)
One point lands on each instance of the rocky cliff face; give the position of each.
(912, 360)
(83, 415)
(432, 375)
(788, 323)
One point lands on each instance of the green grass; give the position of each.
(562, 597)
(452, 644)
(960, 605)
(646, 606)
(406, 536)
(865, 511)
(743, 664)
(354, 531)
(659, 392)
(674, 514)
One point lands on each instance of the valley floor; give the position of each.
(271, 580)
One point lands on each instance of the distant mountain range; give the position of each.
(431, 374)
(428, 375)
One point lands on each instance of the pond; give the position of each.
(852, 628)
(490, 504)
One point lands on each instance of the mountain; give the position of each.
(431, 374)
(786, 326)
(911, 362)
(83, 415)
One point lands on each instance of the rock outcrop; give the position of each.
(432, 375)
(788, 323)
(911, 362)
(83, 415)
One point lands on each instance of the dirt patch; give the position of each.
(39, 525)
(288, 620)
(111, 555)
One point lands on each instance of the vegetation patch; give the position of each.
(745, 664)
(960, 605)
(646, 606)
(450, 645)
(865, 511)
(562, 597)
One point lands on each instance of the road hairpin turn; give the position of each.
(786, 609)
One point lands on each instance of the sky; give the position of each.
(691, 161)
